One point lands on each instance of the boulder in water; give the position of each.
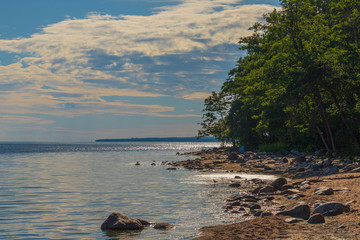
(118, 221)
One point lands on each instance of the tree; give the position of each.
(215, 112)
(300, 80)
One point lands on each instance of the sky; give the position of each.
(80, 70)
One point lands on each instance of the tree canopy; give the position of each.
(299, 82)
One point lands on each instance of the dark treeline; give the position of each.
(298, 84)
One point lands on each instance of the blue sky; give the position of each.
(79, 70)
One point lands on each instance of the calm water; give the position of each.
(65, 191)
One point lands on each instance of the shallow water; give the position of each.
(65, 191)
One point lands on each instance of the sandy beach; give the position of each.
(300, 188)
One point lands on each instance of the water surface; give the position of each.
(65, 191)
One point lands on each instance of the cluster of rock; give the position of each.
(292, 164)
(259, 202)
(303, 210)
(120, 222)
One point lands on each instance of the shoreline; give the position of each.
(304, 173)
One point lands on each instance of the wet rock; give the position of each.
(284, 160)
(316, 218)
(331, 209)
(299, 211)
(163, 226)
(171, 168)
(118, 221)
(324, 191)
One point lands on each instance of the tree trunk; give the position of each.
(343, 117)
(319, 103)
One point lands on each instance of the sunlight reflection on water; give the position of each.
(68, 194)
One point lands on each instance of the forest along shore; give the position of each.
(315, 197)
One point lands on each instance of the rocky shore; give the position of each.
(315, 197)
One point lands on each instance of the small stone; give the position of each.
(324, 191)
(295, 196)
(255, 206)
(331, 209)
(118, 221)
(316, 218)
(266, 189)
(233, 156)
(258, 213)
(300, 159)
(235, 185)
(286, 187)
(163, 226)
(265, 214)
(278, 183)
(299, 211)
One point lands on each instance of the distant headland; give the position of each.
(167, 139)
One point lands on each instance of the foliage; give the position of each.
(299, 82)
(277, 147)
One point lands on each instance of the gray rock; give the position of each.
(278, 183)
(356, 170)
(266, 189)
(331, 209)
(331, 170)
(255, 206)
(118, 221)
(233, 156)
(300, 159)
(324, 191)
(299, 211)
(235, 185)
(316, 218)
(265, 214)
(295, 196)
(304, 187)
(349, 167)
(163, 226)
(286, 187)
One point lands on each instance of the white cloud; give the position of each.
(122, 50)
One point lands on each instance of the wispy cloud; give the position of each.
(81, 60)
(18, 119)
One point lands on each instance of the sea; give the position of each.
(67, 190)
